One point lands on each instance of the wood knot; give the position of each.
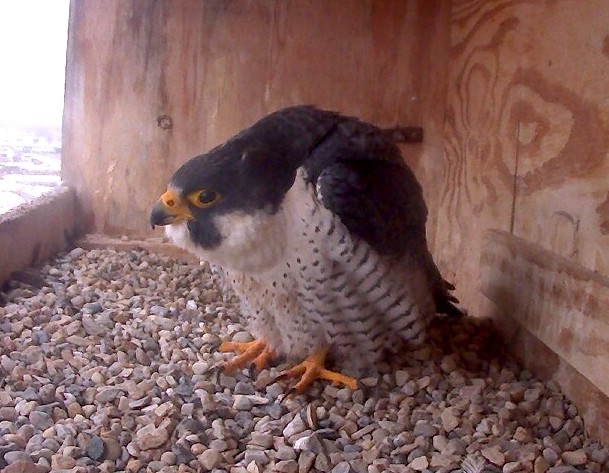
(164, 122)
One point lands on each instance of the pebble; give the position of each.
(295, 426)
(342, 467)
(61, 462)
(541, 465)
(306, 461)
(149, 437)
(113, 366)
(310, 443)
(200, 368)
(107, 395)
(449, 420)
(95, 448)
(258, 456)
(16, 455)
(494, 455)
(425, 429)
(210, 459)
(419, 464)
(242, 403)
(23, 466)
(262, 440)
(286, 466)
(511, 467)
(8, 413)
(550, 455)
(41, 420)
(575, 458)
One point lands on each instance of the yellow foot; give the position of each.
(313, 368)
(256, 351)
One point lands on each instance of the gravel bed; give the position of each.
(109, 361)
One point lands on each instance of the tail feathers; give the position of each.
(446, 303)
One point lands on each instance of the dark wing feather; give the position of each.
(378, 201)
(382, 203)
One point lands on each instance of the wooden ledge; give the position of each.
(34, 232)
(154, 245)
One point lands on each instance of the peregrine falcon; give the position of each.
(318, 226)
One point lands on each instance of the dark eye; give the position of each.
(203, 198)
(207, 197)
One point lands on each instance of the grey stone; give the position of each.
(95, 448)
(16, 455)
(41, 420)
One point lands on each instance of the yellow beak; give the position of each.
(169, 209)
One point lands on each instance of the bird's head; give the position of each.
(222, 202)
(220, 205)
(203, 189)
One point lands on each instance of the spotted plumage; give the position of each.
(319, 227)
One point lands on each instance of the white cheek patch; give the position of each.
(249, 242)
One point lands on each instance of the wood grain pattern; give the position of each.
(214, 67)
(527, 132)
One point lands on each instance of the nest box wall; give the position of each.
(527, 132)
(524, 214)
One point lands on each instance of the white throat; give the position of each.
(249, 243)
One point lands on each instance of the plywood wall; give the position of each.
(527, 133)
(153, 83)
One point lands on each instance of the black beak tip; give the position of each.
(157, 217)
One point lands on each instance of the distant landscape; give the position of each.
(30, 163)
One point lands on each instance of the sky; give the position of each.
(33, 39)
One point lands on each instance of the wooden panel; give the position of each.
(527, 132)
(216, 66)
(561, 110)
(563, 305)
(477, 187)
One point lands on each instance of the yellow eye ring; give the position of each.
(203, 198)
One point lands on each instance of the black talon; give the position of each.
(216, 371)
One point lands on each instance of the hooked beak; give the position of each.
(169, 209)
